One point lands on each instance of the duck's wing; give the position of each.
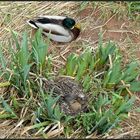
(49, 23)
(50, 19)
(60, 38)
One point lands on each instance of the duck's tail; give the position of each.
(32, 23)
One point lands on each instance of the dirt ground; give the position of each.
(123, 31)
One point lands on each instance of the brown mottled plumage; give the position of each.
(72, 98)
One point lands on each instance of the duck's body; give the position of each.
(58, 28)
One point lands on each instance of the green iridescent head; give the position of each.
(68, 23)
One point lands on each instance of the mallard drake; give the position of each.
(58, 28)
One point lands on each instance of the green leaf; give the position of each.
(131, 72)
(116, 72)
(39, 125)
(92, 64)
(2, 59)
(135, 86)
(39, 50)
(52, 107)
(107, 78)
(126, 105)
(14, 36)
(26, 71)
(87, 82)
(7, 116)
(16, 104)
(57, 113)
(4, 84)
(81, 68)
(104, 52)
(23, 54)
(8, 108)
(71, 65)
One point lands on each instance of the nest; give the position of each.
(72, 98)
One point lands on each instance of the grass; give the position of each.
(28, 105)
(111, 98)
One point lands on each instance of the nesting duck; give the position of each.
(72, 99)
(58, 28)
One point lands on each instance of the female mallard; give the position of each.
(58, 28)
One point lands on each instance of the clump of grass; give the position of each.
(134, 9)
(23, 77)
(39, 52)
(105, 80)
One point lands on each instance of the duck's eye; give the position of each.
(68, 23)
